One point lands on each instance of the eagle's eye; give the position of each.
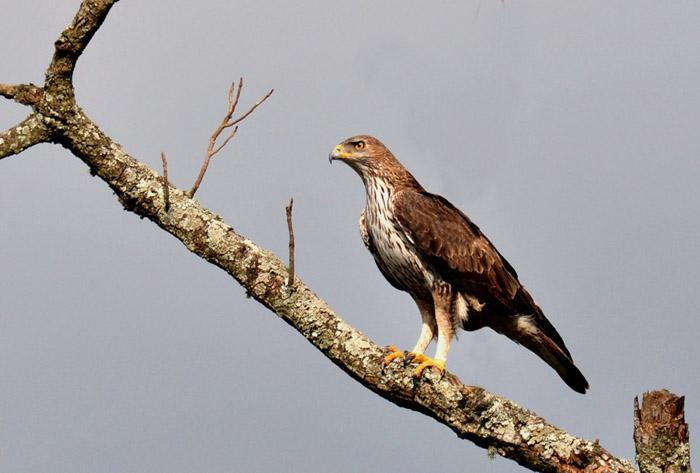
(360, 145)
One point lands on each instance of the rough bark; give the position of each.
(474, 414)
(25, 134)
(661, 434)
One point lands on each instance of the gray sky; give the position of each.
(567, 132)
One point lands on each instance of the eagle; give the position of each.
(427, 247)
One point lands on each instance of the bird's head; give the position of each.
(365, 154)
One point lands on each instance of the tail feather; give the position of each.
(526, 331)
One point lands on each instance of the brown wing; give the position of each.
(454, 245)
(463, 256)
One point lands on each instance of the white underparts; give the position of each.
(398, 259)
(393, 248)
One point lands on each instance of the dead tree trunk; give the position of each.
(661, 434)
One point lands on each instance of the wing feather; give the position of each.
(454, 245)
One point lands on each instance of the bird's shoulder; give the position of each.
(433, 214)
(439, 225)
(450, 241)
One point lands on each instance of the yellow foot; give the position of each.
(394, 355)
(425, 361)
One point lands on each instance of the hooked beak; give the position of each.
(337, 153)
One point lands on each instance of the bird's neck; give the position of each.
(379, 192)
(380, 187)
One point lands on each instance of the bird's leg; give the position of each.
(427, 333)
(428, 328)
(442, 301)
(443, 315)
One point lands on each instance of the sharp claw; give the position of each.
(426, 362)
(419, 358)
(394, 355)
(414, 358)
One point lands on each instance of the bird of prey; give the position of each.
(427, 247)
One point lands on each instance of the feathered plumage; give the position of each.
(427, 247)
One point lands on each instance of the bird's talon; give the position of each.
(426, 362)
(419, 358)
(394, 355)
(410, 356)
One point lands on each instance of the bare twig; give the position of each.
(26, 94)
(252, 109)
(227, 122)
(166, 184)
(290, 228)
(228, 138)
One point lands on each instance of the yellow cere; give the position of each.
(341, 153)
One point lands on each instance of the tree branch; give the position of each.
(25, 94)
(73, 41)
(471, 412)
(25, 134)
